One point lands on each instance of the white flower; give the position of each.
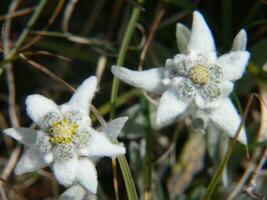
(66, 141)
(195, 77)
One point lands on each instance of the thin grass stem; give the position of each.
(128, 179)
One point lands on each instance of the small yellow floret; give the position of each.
(63, 131)
(60, 140)
(199, 74)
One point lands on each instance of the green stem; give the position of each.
(149, 144)
(126, 172)
(29, 26)
(218, 174)
(121, 57)
(128, 178)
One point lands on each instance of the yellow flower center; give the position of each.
(63, 131)
(199, 74)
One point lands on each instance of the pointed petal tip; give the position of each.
(115, 69)
(242, 34)
(100, 145)
(114, 128)
(180, 25)
(90, 82)
(201, 40)
(26, 136)
(30, 98)
(234, 64)
(183, 35)
(243, 31)
(82, 97)
(230, 122)
(92, 79)
(240, 41)
(123, 120)
(9, 131)
(242, 138)
(122, 149)
(197, 16)
(120, 72)
(196, 13)
(149, 80)
(37, 106)
(118, 150)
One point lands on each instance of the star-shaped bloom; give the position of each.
(65, 139)
(196, 77)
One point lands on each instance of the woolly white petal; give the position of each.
(87, 175)
(233, 64)
(99, 145)
(240, 41)
(183, 35)
(226, 118)
(201, 40)
(83, 96)
(48, 157)
(226, 88)
(170, 107)
(113, 129)
(65, 170)
(26, 136)
(30, 161)
(75, 192)
(37, 106)
(149, 80)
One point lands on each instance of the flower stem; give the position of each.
(121, 57)
(149, 150)
(128, 179)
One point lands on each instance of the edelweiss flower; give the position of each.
(66, 141)
(196, 77)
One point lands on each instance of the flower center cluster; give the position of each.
(199, 74)
(192, 76)
(63, 131)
